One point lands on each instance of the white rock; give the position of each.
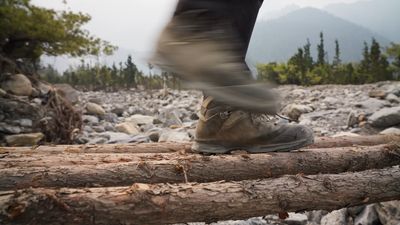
(369, 216)
(391, 130)
(18, 84)
(93, 108)
(141, 119)
(393, 98)
(128, 128)
(345, 134)
(90, 119)
(337, 217)
(174, 136)
(24, 139)
(294, 111)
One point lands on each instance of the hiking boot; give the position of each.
(222, 129)
(204, 48)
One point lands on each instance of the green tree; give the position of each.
(308, 60)
(321, 50)
(27, 32)
(336, 60)
(130, 73)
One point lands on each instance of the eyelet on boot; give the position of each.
(225, 115)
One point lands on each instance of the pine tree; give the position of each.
(336, 60)
(130, 73)
(321, 50)
(308, 60)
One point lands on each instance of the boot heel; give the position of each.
(209, 148)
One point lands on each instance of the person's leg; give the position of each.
(206, 44)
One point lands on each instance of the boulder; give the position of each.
(141, 119)
(386, 117)
(116, 137)
(294, 111)
(24, 139)
(68, 92)
(128, 128)
(94, 109)
(18, 84)
(371, 105)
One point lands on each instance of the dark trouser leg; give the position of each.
(242, 14)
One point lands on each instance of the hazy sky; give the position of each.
(135, 24)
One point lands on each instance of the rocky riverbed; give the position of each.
(171, 115)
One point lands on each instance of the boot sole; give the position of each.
(220, 149)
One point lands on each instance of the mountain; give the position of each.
(270, 15)
(381, 16)
(279, 39)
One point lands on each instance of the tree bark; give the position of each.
(320, 142)
(99, 170)
(106, 148)
(329, 142)
(191, 202)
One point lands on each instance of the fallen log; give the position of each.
(175, 168)
(320, 142)
(346, 141)
(169, 147)
(166, 203)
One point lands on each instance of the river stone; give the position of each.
(115, 137)
(389, 212)
(369, 216)
(90, 119)
(128, 128)
(377, 94)
(174, 136)
(294, 111)
(18, 84)
(393, 98)
(9, 129)
(94, 109)
(24, 139)
(337, 217)
(386, 117)
(392, 130)
(371, 105)
(68, 92)
(2, 92)
(141, 119)
(352, 119)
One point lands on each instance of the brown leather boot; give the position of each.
(222, 129)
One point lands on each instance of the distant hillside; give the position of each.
(382, 16)
(278, 40)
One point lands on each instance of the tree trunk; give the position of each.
(208, 202)
(321, 142)
(95, 170)
(107, 148)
